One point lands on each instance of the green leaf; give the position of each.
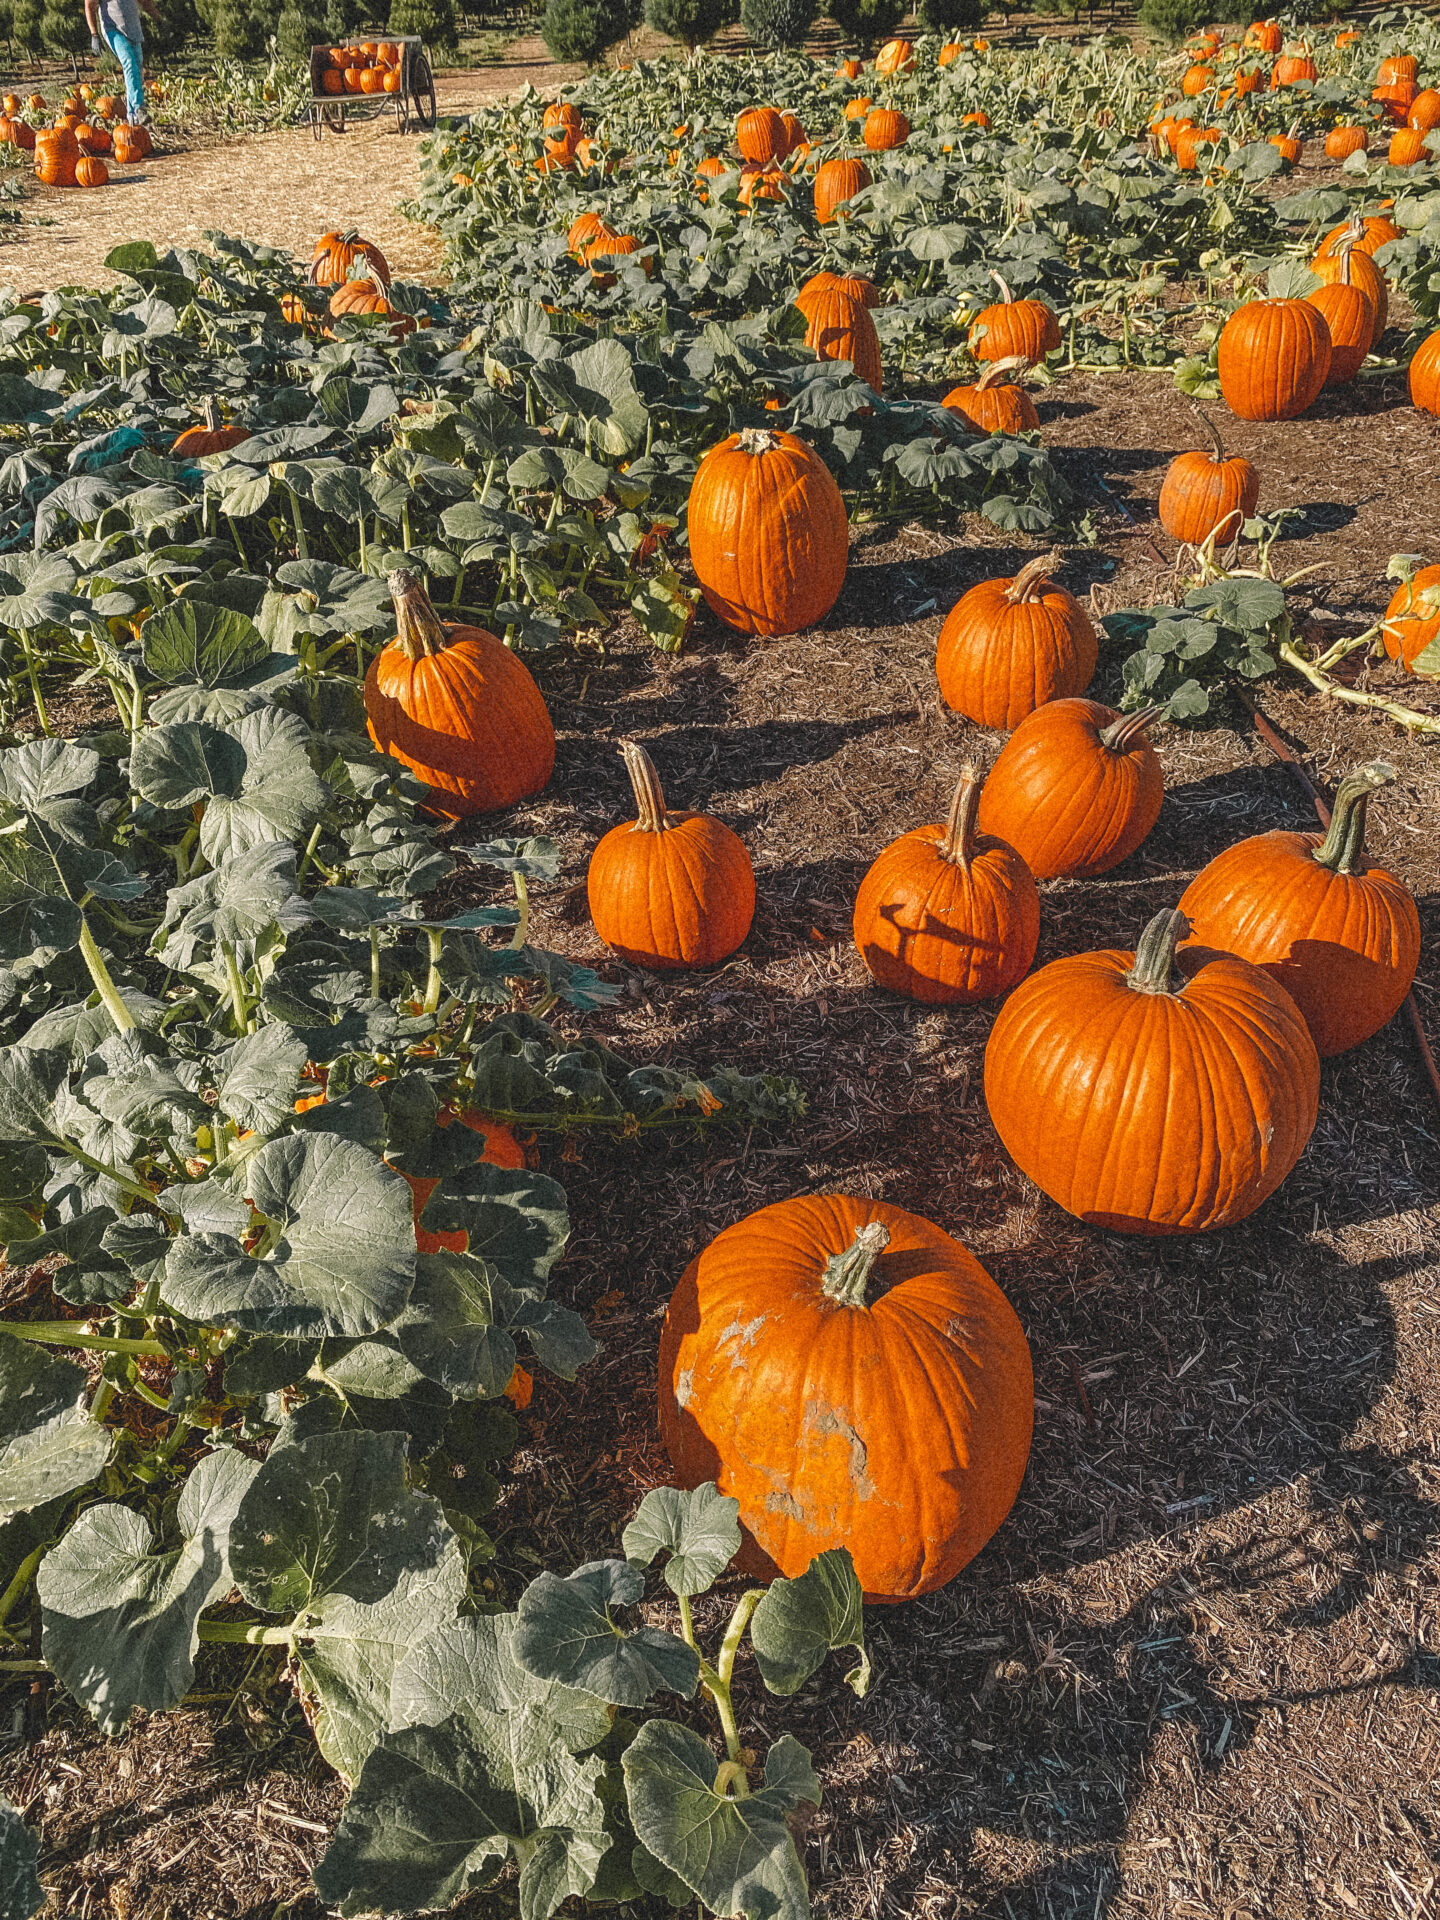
(344, 1259)
(257, 1077)
(49, 1445)
(42, 770)
(471, 1663)
(800, 1621)
(537, 859)
(176, 766)
(699, 1531)
(517, 1220)
(607, 398)
(30, 1078)
(21, 1894)
(192, 643)
(34, 910)
(121, 1621)
(279, 795)
(565, 1633)
(738, 1855)
(237, 904)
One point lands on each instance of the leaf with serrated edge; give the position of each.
(565, 1633)
(48, 1443)
(121, 1621)
(800, 1621)
(257, 1077)
(699, 1531)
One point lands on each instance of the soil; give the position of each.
(1197, 1671)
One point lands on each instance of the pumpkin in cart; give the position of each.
(458, 708)
(854, 1378)
(1008, 646)
(948, 916)
(669, 890)
(1148, 1100)
(1340, 936)
(769, 535)
(339, 255)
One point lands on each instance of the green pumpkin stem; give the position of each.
(848, 1274)
(1343, 848)
(1130, 726)
(1029, 583)
(418, 628)
(1155, 954)
(957, 843)
(650, 814)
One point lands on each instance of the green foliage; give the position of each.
(63, 28)
(950, 17)
(691, 22)
(178, 22)
(25, 27)
(1175, 20)
(866, 22)
(581, 30)
(434, 20)
(297, 31)
(1184, 656)
(777, 23)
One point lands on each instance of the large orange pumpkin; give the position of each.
(1376, 232)
(1076, 788)
(947, 917)
(458, 708)
(1008, 646)
(1149, 1104)
(1407, 147)
(1013, 329)
(837, 181)
(1274, 359)
(884, 129)
(769, 536)
(1291, 68)
(854, 1378)
(1412, 619)
(1349, 316)
(338, 254)
(669, 890)
(56, 154)
(1342, 937)
(839, 327)
(1207, 493)
(896, 56)
(760, 135)
(1346, 249)
(995, 403)
(1425, 375)
(1264, 36)
(1424, 114)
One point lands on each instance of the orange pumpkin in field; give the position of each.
(853, 1377)
(92, 139)
(837, 181)
(1425, 375)
(1412, 619)
(896, 56)
(1274, 358)
(132, 144)
(769, 535)
(995, 403)
(338, 254)
(1342, 141)
(90, 171)
(458, 708)
(885, 129)
(1008, 646)
(839, 327)
(195, 442)
(760, 135)
(22, 135)
(858, 108)
(56, 154)
(498, 1147)
(1013, 329)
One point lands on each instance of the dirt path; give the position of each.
(284, 189)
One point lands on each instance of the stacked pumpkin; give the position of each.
(768, 140)
(371, 67)
(359, 273)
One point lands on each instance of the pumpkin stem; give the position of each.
(1343, 848)
(212, 413)
(757, 440)
(1031, 578)
(848, 1274)
(1004, 287)
(998, 372)
(957, 845)
(418, 628)
(1129, 727)
(649, 797)
(1155, 953)
(1210, 427)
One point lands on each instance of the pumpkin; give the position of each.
(768, 532)
(1425, 375)
(1011, 329)
(613, 246)
(22, 135)
(796, 138)
(562, 124)
(1342, 141)
(858, 108)
(1340, 936)
(1407, 146)
(848, 70)
(949, 53)
(1195, 80)
(669, 890)
(981, 120)
(1424, 114)
(351, 79)
(294, 309)
(838, 327)
(91, 171)
(1173, 131)
(1205, 494)
(56, 154)
(1289, 145)
(498, 1148)
(132, 143)
(36, 103)
(195, 442)
(711, 168)
(1347, 38)
(1348, 245)
(1396, 99)
(1349, 315)
(1247, 81)
(853, 1377)
(1397, 66)
(1008, 646)
(1264, 36)
(11, 104)
(338, 254)
(896, 56)
(1291, 68)
(1412, 619)
(1144, 1103)
(1191, 142)
(584, 228)
(1274, 359)
(458, 708)
(331, 81)
(885, 127)
(372, 80)
(760, 135)
(92, 140)
(854, 286)
(837, 181)
(1076, 788)
(359, 299)
(945, 916)
(761, 183)
(995, 403)
(1377, 232)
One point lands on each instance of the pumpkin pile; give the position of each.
(371, 67)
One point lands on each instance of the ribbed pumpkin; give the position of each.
(1291, 68)
(358, 299)
(91, 171)
(1397, 98)
(1424, 114)
(1412, 619)
(839, 327)
(1196, 79)
(854, 1378)
(1407, 146)
(1340, 936)
(1289, 146)
(1144, 1103)
(1349, 316)
(1425, 375)
(710, 168)
(669, 890)
(1348, 245)
(561, 124)
(1076, 788)
(607, 246)
(761, 183)
(1013, 329)
(884, 129)
(995, 403)
(854, 286)
(768, 532)
(795, 135)
(584, 228)
(760, 134)
(195, 442)
(848, 70)
(1191, 143)
(837, 181)
(1264, 36)
(338, 254)
(896, 56)
(1274, 359)
(1377, 232)
(945, 916)
(56, 154)
(131, 143)
(949, 53)
(1397, 66)
(458, 708)
(1008, 646)
(1207, 493)
(22, 135)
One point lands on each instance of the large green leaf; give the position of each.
(343, 1261)
(279, 795)
(565, 1632)
(799, 1621)
(35, 911)
(472, 1663)
(49, 1445)
(257, 1077)
(738, 1855)
(460, 1324)
(30, 1078)
(121, 1620)
(518, 1221)
(191, 642)
(38, 771)
(21, 1894)
(236, 904)
(699, 1532)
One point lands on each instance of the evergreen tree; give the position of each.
(691, 22)
(951, 16)
(433, 20)
(343, 19)
(777, 23)
(25, 28)
(63, 28)
(582, 29)
(298, 30)
(178, 23)
(866, 22)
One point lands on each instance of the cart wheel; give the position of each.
(422, 88)
(334, 119)
(316, 124)
(402, 110)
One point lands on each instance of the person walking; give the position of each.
(118, 22)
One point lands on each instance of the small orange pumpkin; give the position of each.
(1425, 375)
(995, 403)
(1011, 329)
(1205, 494)
(885, 128)
(1412, 619)
(896, 56)
(338, 254)
(91, 171)
(195, 442)
(1008, 646)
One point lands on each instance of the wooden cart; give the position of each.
(413, 100)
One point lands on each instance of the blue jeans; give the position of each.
(129, 53)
